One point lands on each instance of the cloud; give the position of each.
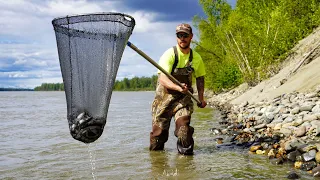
(28, 52)
(166, 10)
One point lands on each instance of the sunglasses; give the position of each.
(182, 35)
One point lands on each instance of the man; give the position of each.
(171, 99)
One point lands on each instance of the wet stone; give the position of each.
(299, 157)
(306, 148)
(316, 171)
(308, 156)
(293, 175)
(278, 161)
(260, 152)
(255, 148)
(215, 131)
(306, 166)
(292, 156)
(317, 157)
(297, 164)
(271, 154)
(292, 144)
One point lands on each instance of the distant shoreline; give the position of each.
(15, 89)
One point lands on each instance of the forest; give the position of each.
(133, 84)
(247, 43)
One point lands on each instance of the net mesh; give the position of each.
(90, 48)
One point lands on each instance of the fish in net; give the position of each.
(90, 48)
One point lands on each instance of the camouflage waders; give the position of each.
(169, 103)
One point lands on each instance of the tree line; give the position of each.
(133, 84)
(247, 43)
(15, 89)
(136, 84)
(50, 87)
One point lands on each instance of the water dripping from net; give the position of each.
(92, 148)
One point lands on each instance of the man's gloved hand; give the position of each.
(202, 104)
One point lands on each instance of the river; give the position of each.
(35, 144)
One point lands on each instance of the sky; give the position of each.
(28, 50)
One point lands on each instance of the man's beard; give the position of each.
(186, 47)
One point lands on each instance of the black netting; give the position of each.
(90, 48)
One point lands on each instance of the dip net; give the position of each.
(90, 48)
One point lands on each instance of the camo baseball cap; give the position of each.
(186, 28)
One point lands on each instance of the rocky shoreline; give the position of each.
(286, 129)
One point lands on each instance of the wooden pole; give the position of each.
(161, 69)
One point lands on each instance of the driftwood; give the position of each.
(306, 59)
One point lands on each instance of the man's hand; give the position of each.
(202, 104)
(184, 89)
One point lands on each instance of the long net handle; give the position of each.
(161, 69)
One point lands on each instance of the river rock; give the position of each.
(277, 126)
(277, 120)
(312, 95)
(271, 154)
(316, 108)
(307, 107)
(286, 131)
(306, 166)
(270, 115)
(277, 161)
(308, 156)
(260, 126)
(287, 125)
(297, 164)
(271, 125)
(295, 110)
(317, 131)
(301, 131)
(315, 123)
(255, 148)
(306, 148)
(318, 157)
(316, 171)
(310, 117)
(292, 144)
(288, 119)
(293, 175)
(292, 156)
(307, 125)
(260, 152)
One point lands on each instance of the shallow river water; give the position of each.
(35, 144)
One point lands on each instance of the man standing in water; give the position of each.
(171, 99)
